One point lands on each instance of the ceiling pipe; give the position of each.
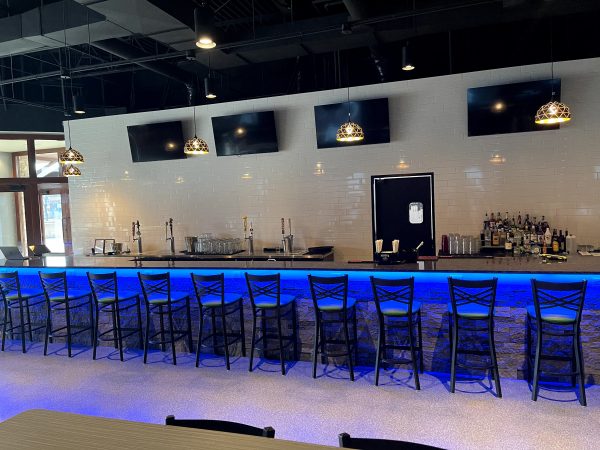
(127, 52)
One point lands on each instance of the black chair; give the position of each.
(161, 301)
(472, 302)
(394, 300)
(556, 312)
(21, 300)
(108, 298)
(333, 306)
(221, 425)
(380, 444)
(213, 300)
(266, 298)
(60, 298)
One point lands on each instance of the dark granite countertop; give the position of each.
(575, 264)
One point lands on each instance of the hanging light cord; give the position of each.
(195, 133)
(69, 128)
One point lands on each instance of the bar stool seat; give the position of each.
(334, 304)
(214, 301)
(25, 294)
(471, 311)
(122, 295)
(393, 308)
(74, 294)
(176, 297)
(557, 315)
(266, 302)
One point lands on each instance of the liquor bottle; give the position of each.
(555, 246)
(506, 221)
(527, 221)
(562, 242)
(486, 221)
(495, 238)
(548, 237)
(508, 244)
(519, 220)
(487, 236)
(492, 221)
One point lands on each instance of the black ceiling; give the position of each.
(275, 47)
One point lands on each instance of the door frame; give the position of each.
(431, 176)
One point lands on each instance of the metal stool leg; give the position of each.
(22, 326)
(95, 343)
(119, 334)
(188, 310)
(378, 354)
(348, 348)
(528, 349)
(68, 317)
(413, 355)
(200, 329)
(253, 341)
(162, 328)
(453, 346)
(172, 335)
(242, 328)
(316, 346)
(494, 358)
(420, 334)
(48, 327)
(4, 325)
(536, 364)
(139, 320)
(580, 367)
(28, 319)
(225, 342)
(279, 336)
(147, 339)
(113, 314)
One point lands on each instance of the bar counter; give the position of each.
(431, 289)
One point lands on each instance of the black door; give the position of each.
(403, 209)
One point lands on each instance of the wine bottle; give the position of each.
(562, 242)
(555, 246)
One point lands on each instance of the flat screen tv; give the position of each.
(509, 108)
(245, 134)
(156, 141)
(372, 115)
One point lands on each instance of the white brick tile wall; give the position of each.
(555, 173)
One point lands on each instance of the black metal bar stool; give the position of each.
(394, 300)
(214, 301)
(161, 301)
(266, 298)
(556, 312)
(60, 298)
(21, 300)
(333, 306)
(472, 301)
(108, 298)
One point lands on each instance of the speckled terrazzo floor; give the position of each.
(298, 407)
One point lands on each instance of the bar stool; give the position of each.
(472, 301)
(60, 298)
(161, 301)
(266, 297)
(394, 299)
(330, 298)
(108, 298)
(21, 300)
(213, 301)
(556, 311)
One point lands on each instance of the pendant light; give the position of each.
(349, 131)
(195, 146)
(78, 104)
(209, 91)
(554, 111)
(70, 156)
(71, 171)
(407, 61)
(204, 25)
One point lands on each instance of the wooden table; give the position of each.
(41, 429)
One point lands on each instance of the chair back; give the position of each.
(209, 286)
(155, 286)
(570, 296)
(54, 284)
(328, 288)
(398, 291)
(221, 425)
(10, 283)
(465, 293)
(103, 285)
(264, 286)
(346, 441)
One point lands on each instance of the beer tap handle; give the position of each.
(282, 226)
(171, 226)
(290, 225)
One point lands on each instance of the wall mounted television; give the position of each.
(509, 108)
(156, 141)
(372, 115)
(245, 134)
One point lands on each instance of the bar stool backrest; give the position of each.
(329, 288)
(54, 284)
(397, 290)
(222, 425)
(103, 285)
(346, 441)
(570, 296)
(9, 281)
(465, 293)
(156, 286)
(209, 286)
(268, 286)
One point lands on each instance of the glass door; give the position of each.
(13, 228)
(54, 214)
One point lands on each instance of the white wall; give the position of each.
(555, 173)
(8, 228)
